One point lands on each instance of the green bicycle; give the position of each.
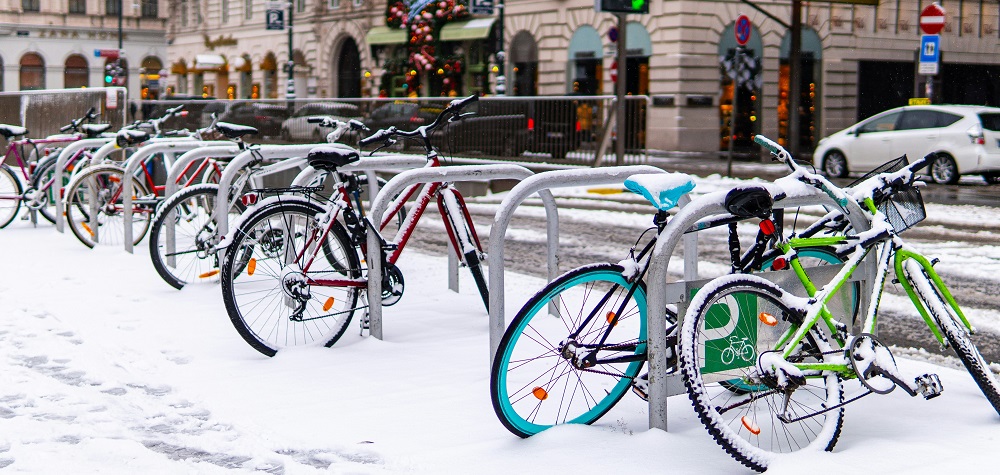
(791, 395)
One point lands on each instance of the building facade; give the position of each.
(857, 60)
(51, 44)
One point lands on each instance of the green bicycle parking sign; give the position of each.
(730, 329)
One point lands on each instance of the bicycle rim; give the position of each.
(100, 190)
(10, 196)
(533, 386)
(188, 258)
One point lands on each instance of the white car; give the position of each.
(964, 139)
(297, 127)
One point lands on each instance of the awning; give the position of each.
(241, 64)
(383, 35)
(475, 29)
(209, 61)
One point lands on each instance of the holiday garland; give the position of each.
(423, 20)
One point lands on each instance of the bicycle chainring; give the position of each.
(392, 284)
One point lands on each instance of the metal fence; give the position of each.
(572, 130)
(44, 112)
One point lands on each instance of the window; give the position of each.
(225, 11)
(111, 6)
(334, 4)
(300, 5)
(184, 13)
(990, 121)
(32, 72)
(77, 72)
(30, 5)
(359, 3)
(248, 9)
(78, 6)
(926, 119)
(150, 8)
(884, 123)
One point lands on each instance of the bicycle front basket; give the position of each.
(904, 208)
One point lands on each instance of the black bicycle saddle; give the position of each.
(749, 202)
(329, 157)
(9, 131)
(233, 131)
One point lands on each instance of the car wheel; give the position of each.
(992, 178)
(943, 170)
(835, 164)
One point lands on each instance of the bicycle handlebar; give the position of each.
(831, 190)
(74, 124)
(453, 112)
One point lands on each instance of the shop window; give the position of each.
(32, 72)
(76, 72)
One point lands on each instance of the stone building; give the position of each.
(856, 59)
(51, 44)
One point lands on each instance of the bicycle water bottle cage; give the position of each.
(328, 157)
(663, 190)
(749, 202)
(9, 131)
(235, 131)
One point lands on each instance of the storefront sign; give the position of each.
(220, 41)
(481, 7)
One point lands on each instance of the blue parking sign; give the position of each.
(930, 48)
(274, 19)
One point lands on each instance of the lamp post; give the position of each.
(290, 92)
(501, 55)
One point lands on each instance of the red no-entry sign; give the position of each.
(932, 19)
(743, 29)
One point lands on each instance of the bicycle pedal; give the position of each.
(928, 385)
(640, 386)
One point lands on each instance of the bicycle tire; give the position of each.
(529, 352)
(43, 173)
(195, 230)
(104, 178)
(271, 330)
(954, 330)
(754, 434)
(10, 186)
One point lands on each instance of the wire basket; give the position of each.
(903, 208)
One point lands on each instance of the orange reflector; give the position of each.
(87, 228)
(611, 316)
(540, 393)
(328, 304)
(209, 274)
(779, 263)
(251, 266)
(767, 319)
(749, 424)
(114, 179)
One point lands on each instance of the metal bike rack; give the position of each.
(136, 160)
(396, 185)
(33, 157)
(220, 151)
(660, 293)
(64, 156)
(540, 184)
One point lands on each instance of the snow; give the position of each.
(107, 369)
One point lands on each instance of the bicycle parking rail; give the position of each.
(136, 160)
(219, 151)
(424, 175)
(539, 183)
(69, 152)
(660, 293)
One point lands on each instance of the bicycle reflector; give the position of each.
(249, 199)
(328, 304)
(767, 227)
(767, 319)
(251, 266)
(779, 263)
(540, 393)
(750, 425)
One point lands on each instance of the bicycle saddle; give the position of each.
(329, 158)
(661, 189)
(749, 202)
(94, 130)
(233, 131)
(130, 137)
(9, 131)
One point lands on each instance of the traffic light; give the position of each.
(622, 6)
(114, 75)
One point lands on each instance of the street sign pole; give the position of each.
(932, 19)
(743, 29)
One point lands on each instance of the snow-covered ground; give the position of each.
(104, 368)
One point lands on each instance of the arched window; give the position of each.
(524, 57)
(77, 72)
(149, 78)
(32, 72)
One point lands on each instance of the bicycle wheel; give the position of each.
(99, 189)
(10, 195)
(189, 257)
(534, 383)
(271, 301)
(44, 173)
(464, 239)
(954, 330)
(737, 311)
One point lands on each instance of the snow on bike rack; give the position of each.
(658, 296)
(430, 175)
(540, 184)
(69, 152)
(136, 160)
